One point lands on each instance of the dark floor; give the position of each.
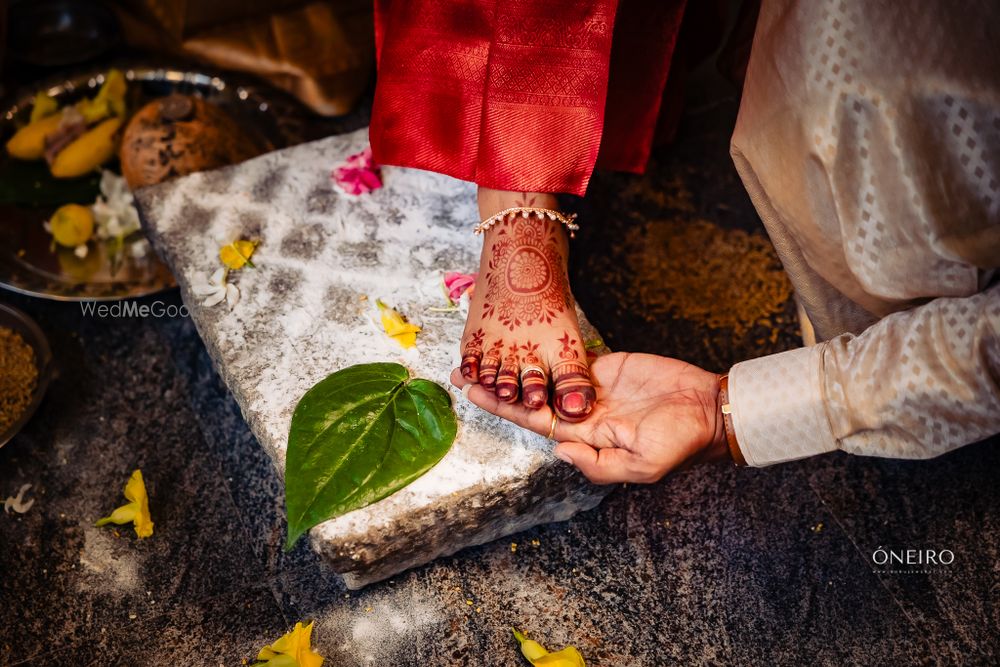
(715, 565)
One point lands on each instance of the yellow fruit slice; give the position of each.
(72, 225)
(28, 143)
(92, 149)
(109, 101)
(43, 106)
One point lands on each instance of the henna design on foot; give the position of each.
(491, 365)
(507, 379)
(524, 201)
(526, 283)
(534, 384)
(568, 350)
(470, 358)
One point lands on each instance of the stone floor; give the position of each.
(714, 565)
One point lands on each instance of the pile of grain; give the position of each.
(18, 375)
(722, 278)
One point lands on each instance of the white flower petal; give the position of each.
(215, 298)
(219, 277)
(232, 295)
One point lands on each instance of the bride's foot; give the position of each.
(522, 334)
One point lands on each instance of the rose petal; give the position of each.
(358, 174)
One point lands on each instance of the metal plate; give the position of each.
(29, 265)
(13, 318)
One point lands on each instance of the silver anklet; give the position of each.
(527, 211)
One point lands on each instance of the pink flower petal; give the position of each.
(358, 174)
(458, 284)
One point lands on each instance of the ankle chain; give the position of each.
(528, 211)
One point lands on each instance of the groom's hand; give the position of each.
(653, 415)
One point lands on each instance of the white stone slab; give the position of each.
(301, 316)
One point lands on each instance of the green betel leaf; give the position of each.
(358, 436)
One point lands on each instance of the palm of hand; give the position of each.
(653, 415)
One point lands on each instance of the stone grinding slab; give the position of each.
(303, 315)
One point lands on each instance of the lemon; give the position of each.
(72, 225)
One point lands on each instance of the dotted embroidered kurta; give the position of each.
(869, 140)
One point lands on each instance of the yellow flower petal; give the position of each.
(124, 514)
(280, 661)
(539, 657)
(290, 649)
(397, 327)
(136, 511)
(237, 254)
(568, 657)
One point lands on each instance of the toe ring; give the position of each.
(528, 369)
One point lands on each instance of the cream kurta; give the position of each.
(869, 140)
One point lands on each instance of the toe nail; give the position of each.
(575, 402)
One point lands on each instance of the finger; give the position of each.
(508, 386)
(488, 370)
(458, 379)
(539, 421)
(573, 391)
(601, 466)
(534, 387)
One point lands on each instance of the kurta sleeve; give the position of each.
(915, 385)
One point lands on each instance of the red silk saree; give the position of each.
(522, 95)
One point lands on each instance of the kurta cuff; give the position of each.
(778, 407)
